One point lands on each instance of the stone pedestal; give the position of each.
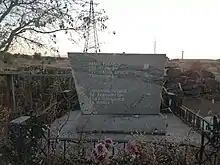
(119, 93)
(136, 124)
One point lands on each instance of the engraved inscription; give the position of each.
(102, 70)
(118, 85)
(107, 96)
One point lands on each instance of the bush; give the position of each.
(37, 56)
(28, 57)
(7, 58)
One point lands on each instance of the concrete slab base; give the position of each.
(118, 124)
(177, 131)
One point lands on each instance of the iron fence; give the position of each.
(192, 119)
(118, 145)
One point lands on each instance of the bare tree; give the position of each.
(36, 22)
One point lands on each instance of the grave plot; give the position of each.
(200, 88)
(119, 93)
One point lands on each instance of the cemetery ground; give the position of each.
(200, 82)
(45, 97)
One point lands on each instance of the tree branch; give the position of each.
(19, 17)
(50, 32)
(6, 44)
(28, 3)
(5, 5)
(30, 40)
(6, 12)
(12, 4)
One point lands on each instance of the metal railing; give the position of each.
(65, 142)
(192, 119)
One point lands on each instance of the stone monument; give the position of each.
(119, 93)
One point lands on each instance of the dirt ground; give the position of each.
(203, 106)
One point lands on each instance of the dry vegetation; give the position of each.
(45, 96)
(134, 153)
(37, 94)
(209, 65)
(10, 61)
(40, 96)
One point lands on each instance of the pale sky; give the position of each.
(189, 25)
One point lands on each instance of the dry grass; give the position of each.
(13, 61)
(209, 65)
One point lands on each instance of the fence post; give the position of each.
(48, 141)
(201, 149)
(70, 83)
(11, 93)
(30, 92)
(64, 150)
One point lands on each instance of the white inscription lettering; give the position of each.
(107, 96)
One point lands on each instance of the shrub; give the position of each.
(37, 56)
(7, 58)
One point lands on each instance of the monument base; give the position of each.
(174, 133)
(142, 124)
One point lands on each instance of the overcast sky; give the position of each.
(189, 25)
